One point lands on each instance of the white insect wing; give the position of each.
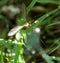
(14, 30)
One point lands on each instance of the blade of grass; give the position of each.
(30, 6)
(1, 57)
(58, 46)
(40, 20)
(55, 23)
(55, 58)
(19, 50)
(49, 1)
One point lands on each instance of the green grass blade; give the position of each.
(55, 58)
(40, 20)
(55, 23)
(30, 6)
(1, 57)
